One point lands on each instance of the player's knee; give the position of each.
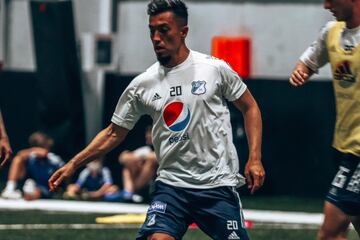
(330, 234)
(160, 236)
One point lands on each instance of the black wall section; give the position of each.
(18, 101)
(298, 126)
(58, 73)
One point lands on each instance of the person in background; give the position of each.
(339, 44)
(94, 183)
(139, 169)
(33, 165)
(5, 149)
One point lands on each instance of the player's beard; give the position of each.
(164, 60)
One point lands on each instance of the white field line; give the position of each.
(67, 226)
(288, 226)
(256, 216)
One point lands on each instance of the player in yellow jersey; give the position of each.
(338, 44)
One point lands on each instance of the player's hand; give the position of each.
(60, 175)
(298, 78)
(255, 175)
(5, 150)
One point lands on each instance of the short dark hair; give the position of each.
(178, 7)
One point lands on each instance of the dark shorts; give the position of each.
(345, 187)
(217, 212)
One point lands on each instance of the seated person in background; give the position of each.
(94, 183)
(139, 169)
(34, 165)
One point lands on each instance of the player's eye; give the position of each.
(163, 29)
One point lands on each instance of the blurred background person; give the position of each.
(34, 165)
(94, 183)
(139, 169)
(5, 149)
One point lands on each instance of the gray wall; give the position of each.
(20, 50)
(279, 33)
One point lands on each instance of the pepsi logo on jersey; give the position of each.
(177, 117)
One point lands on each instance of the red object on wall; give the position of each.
(234, 50)
(42, 7)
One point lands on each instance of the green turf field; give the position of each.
(32, 217)
(55, 225)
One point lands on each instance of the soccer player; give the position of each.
(185, 93)
(338, 43)
(5, 149)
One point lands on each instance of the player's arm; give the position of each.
(300, 74)
(24, 154)
(104, 142)
(254, 170)
(5, 149)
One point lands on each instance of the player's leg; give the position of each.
(168, 214)
(160, 236)
(335, 224)
(16, 172)
(345, 188)
(218, 212)
(146, 174)
(128, 182)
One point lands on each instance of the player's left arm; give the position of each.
(254, 170)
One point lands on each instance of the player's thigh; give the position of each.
(168, 213)
(220, 214)
(160, 236)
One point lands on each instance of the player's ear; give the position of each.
(184, 31)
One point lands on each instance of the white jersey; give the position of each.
(192, 134)
(316, 55)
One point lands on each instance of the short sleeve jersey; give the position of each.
(192, 134)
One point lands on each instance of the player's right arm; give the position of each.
(312, 59)
(104, 142)
(300, 74)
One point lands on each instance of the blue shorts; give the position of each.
(217, 212)
(40, 170)
(345, 188)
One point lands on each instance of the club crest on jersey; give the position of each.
(151, 220)
(198, 87)
(176, 116)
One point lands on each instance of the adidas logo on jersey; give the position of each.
(343, 72)
(233, 235)
(156, 97)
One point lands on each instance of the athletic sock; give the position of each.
(10, 185)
